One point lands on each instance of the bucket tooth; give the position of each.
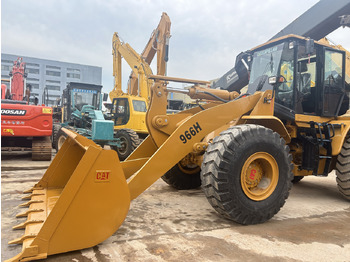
(25, 214)
(31, 195)
(27, 204)
(21, 239)
(23, 225)
(30, 190)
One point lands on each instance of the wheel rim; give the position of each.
(124, 145)
(259, 176)
(60, 141)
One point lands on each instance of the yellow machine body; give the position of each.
(86, 187)
(85, 194)
(80, 201)
(131, 113)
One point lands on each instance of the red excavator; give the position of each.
(24, 125)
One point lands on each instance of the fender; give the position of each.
(271, 122)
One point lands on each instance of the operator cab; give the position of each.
(77, 95)
(314, 77)
(125, 106)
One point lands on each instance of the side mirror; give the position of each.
(105, 97)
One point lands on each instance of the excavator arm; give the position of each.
(158, 43)
(137, 64)
(139, 84)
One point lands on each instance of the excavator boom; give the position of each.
(139, 84)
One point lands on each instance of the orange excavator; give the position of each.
(23, 125)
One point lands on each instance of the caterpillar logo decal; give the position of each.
(13, 112)
(102, 175)
(8, 130)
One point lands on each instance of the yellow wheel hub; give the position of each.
(259, 176)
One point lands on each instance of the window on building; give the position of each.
(34, 86)
(33, 70)
(52, 87)
(6, 61)
(53, 73)
(5, 77)
(32, 79)
(53, 67)
(32, 64)
(53, 82)
(72, 75)
(73, 70)
(5, 67)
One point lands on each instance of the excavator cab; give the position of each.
(314, 77)
(129, 111)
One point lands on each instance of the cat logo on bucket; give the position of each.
(102, 175)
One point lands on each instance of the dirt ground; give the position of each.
(164, 224)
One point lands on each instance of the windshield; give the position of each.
(81, 97)
(139, 106)
(265, 64)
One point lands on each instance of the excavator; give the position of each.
(292, 122)
(24, 125)
(129, 109)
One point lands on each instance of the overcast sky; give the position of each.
(206, 35)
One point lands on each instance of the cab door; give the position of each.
(121, 110)
(333, 78)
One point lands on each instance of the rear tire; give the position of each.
(247, 173)
(60, 139)
(343, 170)
(183, 178)
(129, 140)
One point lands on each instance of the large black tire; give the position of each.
(343, 170)
(61, 137)
(55, 129)
(183, 177)
(129, 140)
(247, 173)
(296, 179)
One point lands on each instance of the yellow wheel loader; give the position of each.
(291, 123)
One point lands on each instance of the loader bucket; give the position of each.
(81, 200)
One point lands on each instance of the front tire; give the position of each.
(343, 170)
(183, 177)
(60, 139)
(129, 140)
(247, 173)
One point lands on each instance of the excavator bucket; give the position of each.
(81, 200)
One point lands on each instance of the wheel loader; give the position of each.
(249, 147)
